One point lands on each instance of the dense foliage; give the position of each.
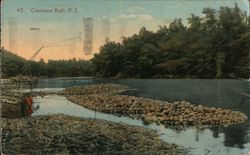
(215, 45)
(12, 66)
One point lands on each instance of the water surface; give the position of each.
(196, 140)
(232, 94)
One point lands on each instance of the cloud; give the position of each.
(113, 19)
(135, 9)
(133, 16)
(126, 17)
(105, 17)
(145, 17)
(132, 13)
(129, 16)
(110, 18)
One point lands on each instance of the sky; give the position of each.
(25, 29)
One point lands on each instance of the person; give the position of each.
(29, 102)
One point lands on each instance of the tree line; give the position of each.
(12, 65)
(214, 45)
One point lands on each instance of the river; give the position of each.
(232, 94)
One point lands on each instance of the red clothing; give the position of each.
(30, 111)
(29, 102)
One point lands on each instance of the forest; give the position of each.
(214, 45)
(12, 65)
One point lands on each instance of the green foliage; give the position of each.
(215, 45)
(12, 66)
(72, 67)
(11, 63)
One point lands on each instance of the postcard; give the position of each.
(125, 77)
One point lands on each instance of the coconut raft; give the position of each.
(177, 113)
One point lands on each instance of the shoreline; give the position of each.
(105, 98)
(111, 78)
(61, 134)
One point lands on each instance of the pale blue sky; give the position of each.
(126, 18)
(96, 8)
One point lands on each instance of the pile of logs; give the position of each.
(11, 104)
(60, 134)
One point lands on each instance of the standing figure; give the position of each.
(29, 102)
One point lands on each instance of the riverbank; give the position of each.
(170, 114)
(60, 134)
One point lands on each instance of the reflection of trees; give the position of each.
(236, 135)
(216, 131)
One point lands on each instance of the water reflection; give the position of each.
(231, 94)
(199, 141)
(216, 131)
(235, 136)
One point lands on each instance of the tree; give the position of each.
(211, 47)
(12, 66)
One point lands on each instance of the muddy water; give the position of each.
(199, 142)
